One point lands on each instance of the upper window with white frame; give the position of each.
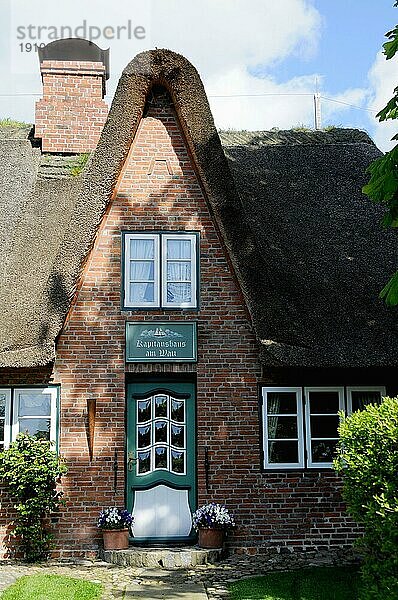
(160, 270)
(300, 424)
(28, 410)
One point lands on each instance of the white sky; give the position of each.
(232, 43)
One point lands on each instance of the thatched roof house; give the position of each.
(187, 312)
(307, 246)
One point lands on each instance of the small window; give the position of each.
(5, 406)
(283, 428)
(160, 270)
(358, 397)
(34, 412)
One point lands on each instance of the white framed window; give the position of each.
(5, 416)
(300, 425)
(160, 270)
(35, 412)
(283, 428)
(360, 396)
(322, 406)
(142, 269)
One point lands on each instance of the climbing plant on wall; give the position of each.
(31, 469)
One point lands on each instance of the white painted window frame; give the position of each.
(160, 269)
(7, 416)
(299, 416)
(307, 391)
(179, 236)
(127, 258)
(362, 388)
(53, 391)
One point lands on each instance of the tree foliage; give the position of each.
(367, 458)
(383, 183)
(30, 468)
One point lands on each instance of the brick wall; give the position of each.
(158, 190)
(72, 112)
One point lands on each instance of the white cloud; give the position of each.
(383, 78)
(227, 40)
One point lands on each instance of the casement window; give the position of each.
(300, 424)
(5, 412)
(322, 406)
(32, 410)
(160, 270)
(283, 428)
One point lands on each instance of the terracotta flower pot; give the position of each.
(211, 538)
(115, 539)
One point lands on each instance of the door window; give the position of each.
(161, 435)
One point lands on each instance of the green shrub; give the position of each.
(31, 470)
(367, 458)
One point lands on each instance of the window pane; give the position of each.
(1, 430)
(177, 461)
(142, 292)
(324, 402)
(40, 428)
(178, 271)
(142, 248)
(144, 411)
(161, 432)
(324, 427)
(161, 406)
(2, 405)
(142, 270)
(282, 427)
(179, 292)
(160, 458)
(360, 399)
(144, 462)
(34, 404)
(281, 402)
(283, 452)
(177, 411)
(323, 450)
(178, 249)
(144, 436)
(177, 436)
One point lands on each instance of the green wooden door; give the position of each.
(161, 460)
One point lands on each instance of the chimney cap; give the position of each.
(75, 49)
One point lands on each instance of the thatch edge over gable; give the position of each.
(98, 181)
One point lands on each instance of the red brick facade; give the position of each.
(72, 112)
(159, 190)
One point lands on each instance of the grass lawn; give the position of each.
(51, 587)
(320, 583)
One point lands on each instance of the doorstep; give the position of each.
(166, 558)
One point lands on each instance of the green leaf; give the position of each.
(391, 47)
(390, 292)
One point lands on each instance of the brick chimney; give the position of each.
(72, 112)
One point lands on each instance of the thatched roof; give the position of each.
(307, 247)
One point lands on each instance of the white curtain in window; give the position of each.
(178, 249)
(142, 269)
(273, 403)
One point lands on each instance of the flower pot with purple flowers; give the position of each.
(115, 524)
(211, 521)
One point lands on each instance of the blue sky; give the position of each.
(352, 33)
(258, 59)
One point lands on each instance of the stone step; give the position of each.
(167, 558)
